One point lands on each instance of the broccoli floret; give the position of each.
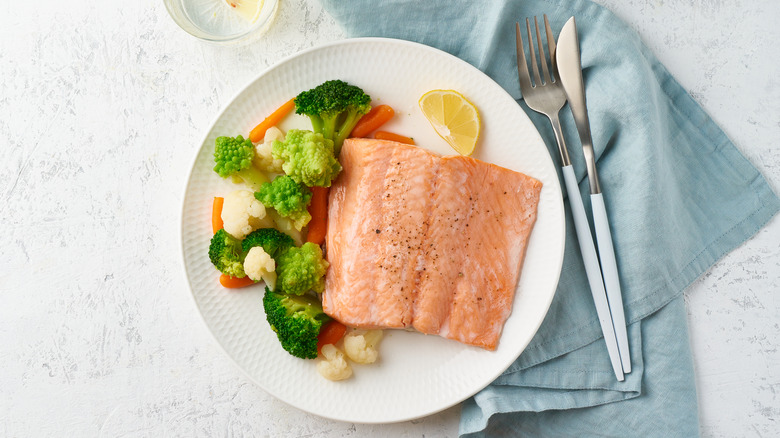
(288, 198)
(308, 158)
(297, 321)
(233, 158)
(334, 108)
(226, 254)
(273, 241)
(301, 269)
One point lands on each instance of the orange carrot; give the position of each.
(378, 116)
(384, 135)
(318, 209)
(216, 214)
(330, 333)
(258, 133)
(233, 282)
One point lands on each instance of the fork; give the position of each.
(545, 95)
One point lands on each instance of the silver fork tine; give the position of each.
(551, 47)
(535, 68)
(542, 58)
(522, 65)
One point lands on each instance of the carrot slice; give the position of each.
(216, 214)
(318, 209)
(258, 133)
(330, 333)
(378, 116)
(384, 135)
(233, 282)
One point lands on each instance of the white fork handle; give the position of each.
(611, 276)
(592, 268)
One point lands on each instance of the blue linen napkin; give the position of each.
(679, 196)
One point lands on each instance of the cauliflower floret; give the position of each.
(333, 367)
(263, 158)
(286, 226)
(258, 265)
(361, 345)
(242, 214)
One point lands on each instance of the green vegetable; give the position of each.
(308, 158)
(297, 321)
(301, 269)
(226, 254)
(273, 241)
(334, 108)
(288, 198)
(233, 158)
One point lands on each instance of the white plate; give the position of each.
(417, 375)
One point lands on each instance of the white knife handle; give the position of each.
(592, 269)
(611, 276)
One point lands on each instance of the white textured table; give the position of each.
(101, 107)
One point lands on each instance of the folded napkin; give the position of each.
(679, 196)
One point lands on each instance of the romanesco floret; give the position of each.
(242, 214)
(264, 160)
(226, 255)
(233, 157)
(258, 265)
(301, 269)
(308, 158)
(297, 321)
(273, 241)
(333, 366)
(288, 198)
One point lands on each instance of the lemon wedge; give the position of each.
(453, 117)
(247, 9)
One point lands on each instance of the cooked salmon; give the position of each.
(420, 241)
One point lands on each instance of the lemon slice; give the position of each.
(247, 9)
(454, 118)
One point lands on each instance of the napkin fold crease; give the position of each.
(679, 196)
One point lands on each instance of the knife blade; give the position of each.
(567, 56)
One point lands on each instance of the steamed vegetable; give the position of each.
(384, 135)
(258, 265)
(273, 241)
(226, 255)
(334, 108)
(318, 209)
(242, 214)
(264, 159)
(297, 321)
(286, 225)
(259, 131)
(235, 282)
(378, 116)
(288, 198)
(301, 269)
(333, 366)
(233, 158)
(308, 158)
(216, 214)
(361, 346)
(330, 333)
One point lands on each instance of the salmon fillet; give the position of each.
(420, 241)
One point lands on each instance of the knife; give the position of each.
(567, 56)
